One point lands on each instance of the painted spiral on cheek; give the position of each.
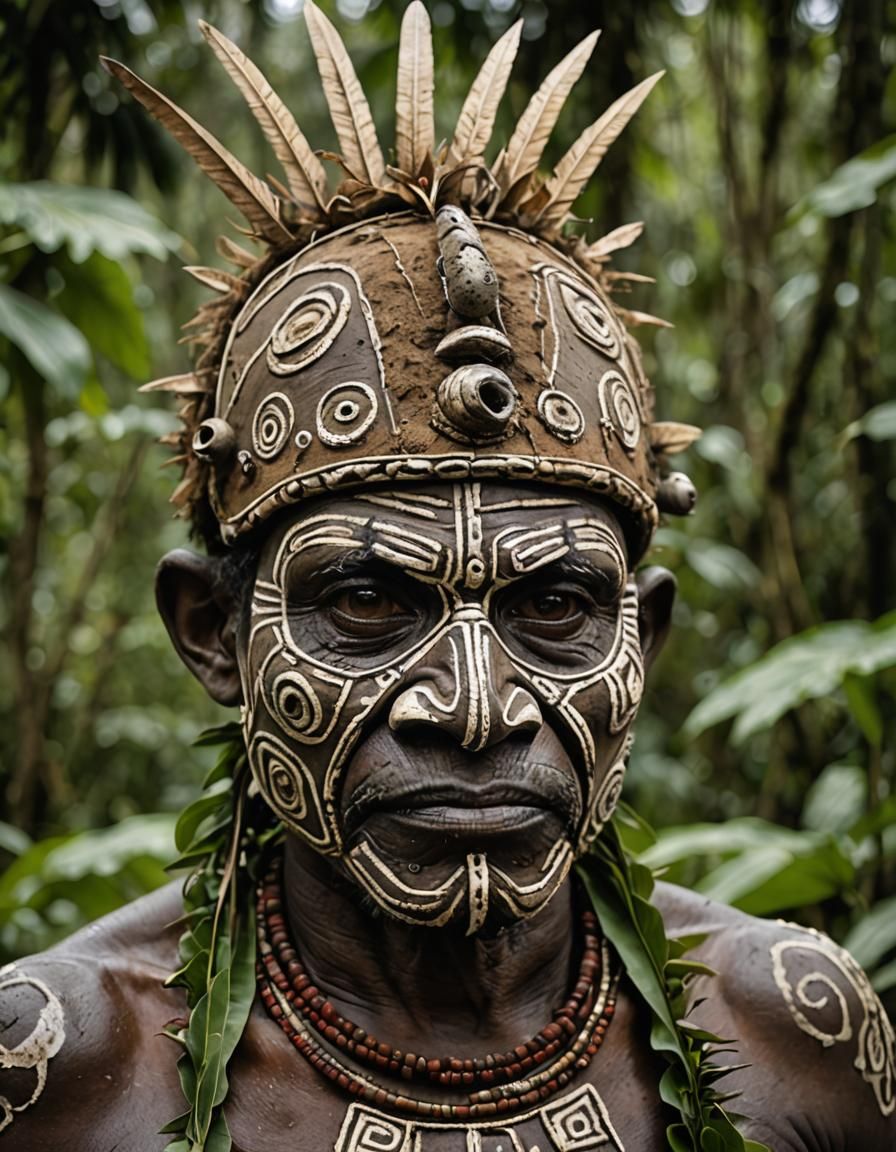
(609, 793)
(294, 704)
(617, 405)
(280, 775)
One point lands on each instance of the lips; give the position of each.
(498, 805)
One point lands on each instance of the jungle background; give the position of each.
(763, 166)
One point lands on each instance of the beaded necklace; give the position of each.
(494, 1084)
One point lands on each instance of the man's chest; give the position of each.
(279, 1103)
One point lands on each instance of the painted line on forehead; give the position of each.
(418, 513)
(530, 502)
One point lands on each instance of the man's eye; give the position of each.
(548, 608)
(366, 605)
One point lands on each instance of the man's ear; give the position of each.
(656, 595)
(201, 620)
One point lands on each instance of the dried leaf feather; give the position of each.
(414, 124)
(668, 437)
(477, 116)
(216, 279)
(252, 196)
(536, 124)
(305, 175)
(234, 253)
(185, 384)
(619, 238)
(580, 162)
(348, 105)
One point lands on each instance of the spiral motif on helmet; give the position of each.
(591, 319)
(619, 407)
(561, 415)
(272, 425)
(308, 328)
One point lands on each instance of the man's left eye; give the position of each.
(548, 608)
(365, 605)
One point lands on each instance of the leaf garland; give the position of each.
(222, 836)
(620, 889)
(217, 838)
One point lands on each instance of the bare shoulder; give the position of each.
(803, 1015)
(81, 1051)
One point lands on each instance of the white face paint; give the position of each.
(398, 637)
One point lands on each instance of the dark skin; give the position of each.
(113, 1082)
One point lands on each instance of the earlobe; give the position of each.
(656, 595)
(201, 622)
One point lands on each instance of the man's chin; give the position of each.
(482, 870)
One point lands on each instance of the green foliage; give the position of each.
(217, 948)
(62, 882)
(84, 220)
(855, 184)
(620, 889)
(878, 423)
(810, 666)
(52, 345)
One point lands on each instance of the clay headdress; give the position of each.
(425, 320)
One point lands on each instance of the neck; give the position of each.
(465, 994)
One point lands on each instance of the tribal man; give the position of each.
(421, 450)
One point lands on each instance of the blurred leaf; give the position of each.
(85, 220)
(836, 800)
(52, 345)
(878, 423)
(805, 667)
(85, 862)
(13, 840)
(872, 937)
(768, 879)
(862, 700)
(98, 298)
(855, 184)
(730, 837)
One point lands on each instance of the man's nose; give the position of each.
(466, 687)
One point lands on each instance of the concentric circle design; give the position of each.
(294, 704)
(618, 406)
(272, 425)
(610, 791)
(307, 328)
(280, 776)
(561, 415)
(345, 413)
(591, 319)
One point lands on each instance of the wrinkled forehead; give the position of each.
(466, 534)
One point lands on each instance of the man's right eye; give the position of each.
(365, 609)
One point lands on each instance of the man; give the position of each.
(421, 449)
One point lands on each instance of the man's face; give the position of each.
(439, 683)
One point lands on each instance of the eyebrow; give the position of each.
(576, 565)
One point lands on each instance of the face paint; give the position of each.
(439, 687)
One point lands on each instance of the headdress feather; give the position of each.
(477, 116)
(550, 205)
(349, 109)
(305, 175)
(536, 124)
(414, 123)
(252, 196)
